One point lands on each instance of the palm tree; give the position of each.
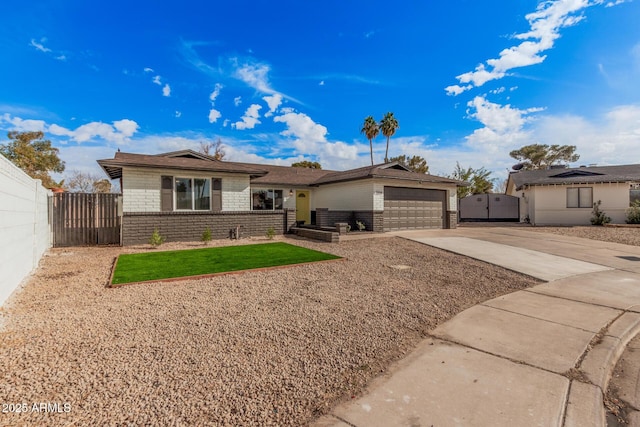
(388, 126)
(371, 130)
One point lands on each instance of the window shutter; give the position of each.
(166, 194)
(216, 194)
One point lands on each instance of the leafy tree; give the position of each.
(83, 182)
(307, 164)
(388, 127)
(477, 178)
(213, 149)
(415, 163)
(34, 155)
(540, 156)
(371, 130)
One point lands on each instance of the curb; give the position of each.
(585, 405)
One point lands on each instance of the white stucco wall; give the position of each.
(345, 196)
(547, 205)
(141, 188)
(25, 233)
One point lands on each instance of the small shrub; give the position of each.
(206, 236)
(597, 216)
(270, 233)
(360, 225)
(156, 239)
(633, 213)
(348, 228)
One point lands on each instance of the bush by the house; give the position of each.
(360, 225)
(156, 239)
(633, 213)
(206, 236)
(597, 216)
(271, 232)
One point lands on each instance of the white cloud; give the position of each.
(226, 123)
(20, 125)
(214, 115)
(321, 83)
(157, 80)
(503, 124)
(273, 101)
(250, 118)
(178, 114)
(166, 90)
(126, 127)
(39, 45)
(254, 74)
(215, 93)
(237, 101)
(498, 91)
(148, 70)
(545, 25)
(310, 138)
(615, 3)
(119, 132)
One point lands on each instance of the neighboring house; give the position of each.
(181, 193)
(565, 196)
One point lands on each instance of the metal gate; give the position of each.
(489, 207)
(79, 219)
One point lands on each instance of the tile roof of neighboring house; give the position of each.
(581, 175)
(184, 160)
(264, 174)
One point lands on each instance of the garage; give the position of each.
(413, 208)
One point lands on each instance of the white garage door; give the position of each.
(412, 208)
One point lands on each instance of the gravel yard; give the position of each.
(277, 347)
(624, 235)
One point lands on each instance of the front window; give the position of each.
(581, 197)
(266, 199)
(193, 194)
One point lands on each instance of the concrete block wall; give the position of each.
(373, 220)
(137, 227)
(25, 232)
(451, 219)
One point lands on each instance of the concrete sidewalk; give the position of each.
(541, 356)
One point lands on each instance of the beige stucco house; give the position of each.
(565, 196)
(182, 193)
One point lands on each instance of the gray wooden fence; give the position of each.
(80, 219)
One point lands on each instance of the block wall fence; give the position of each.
(25, 232)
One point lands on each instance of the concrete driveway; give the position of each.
(538, 357)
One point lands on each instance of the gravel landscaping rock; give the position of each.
(277, 347)
(626, 236)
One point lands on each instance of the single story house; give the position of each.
(182, 193)
(565, 196)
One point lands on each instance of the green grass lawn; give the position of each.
(194, 262)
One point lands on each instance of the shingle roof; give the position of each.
(287, 175)
(582, 175)
(389, 170)
(188, 161)
(263, 174)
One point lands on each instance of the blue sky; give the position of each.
(283, 81)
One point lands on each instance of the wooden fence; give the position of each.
(80, 219)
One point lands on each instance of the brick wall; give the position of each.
(452, 219)
(373, 220)
(137, 227)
